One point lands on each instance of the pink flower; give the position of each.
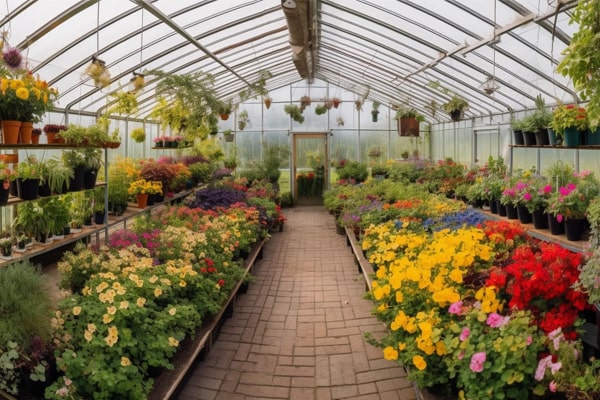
(527, 196)
(455, 308)
(461, 355)
(477, 361)
(496, 320)
(559, 218)
(547, 189)
(529, 340)
(552, 386)
(464, 335)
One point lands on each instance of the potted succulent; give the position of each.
(455, 107)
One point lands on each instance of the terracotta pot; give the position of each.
(10, 131)
(26, 128)
(35, 139)
(142, 200)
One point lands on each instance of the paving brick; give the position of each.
(298, 333)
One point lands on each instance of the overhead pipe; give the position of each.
(297, 17)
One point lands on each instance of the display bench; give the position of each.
(590, 335)
(92, 234)
(581, 157)
(169, 383)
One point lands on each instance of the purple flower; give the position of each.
(13, 58)
(477, 361)
(496, 320)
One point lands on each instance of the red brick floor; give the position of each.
(298, 331)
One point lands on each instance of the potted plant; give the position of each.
(224, 109)
(58, 176)
(336, 101)
(35, 135)
(294, 112)
(455, 107)
(567, 122)
(58, 213)
(138, 135)
(581, 57)
(6, 247)
(267, 100)
(7, 176)
(375, 111)
(243, 120)
(228, 135)
(408, 121)
(320, 109)
(28, 178)
(92, 162)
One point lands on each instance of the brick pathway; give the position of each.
(298, 332)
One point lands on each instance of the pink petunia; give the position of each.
(477, 361)
(496, 320)
(464, 335)
(527, 196)
(455, 308)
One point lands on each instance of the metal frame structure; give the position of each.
(394, 52)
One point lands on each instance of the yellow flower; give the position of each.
(111, 310)
(76, 310)
(157, 292)
(125, 362)
(91, 328)
(88, 335)
(4, 85)
(22, 93)
(124, 305)
(389, 353)
(112, 337)
(419, 362)
(107, 318)
(140, 302)
(173, 342)
(172, 311)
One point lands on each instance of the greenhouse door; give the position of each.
(309, 167)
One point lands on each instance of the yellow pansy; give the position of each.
(389, 353)
(419, 362)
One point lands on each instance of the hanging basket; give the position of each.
(408, 126)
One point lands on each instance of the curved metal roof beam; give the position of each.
(182, 32)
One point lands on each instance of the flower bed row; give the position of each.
(135, 299)
(473, 306)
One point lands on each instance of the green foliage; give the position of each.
(273, 158)
(286, 199)
(294, 112)
(353, 170)
(405, 111)
(24, 305)
(257, 88)
(187, 102)
(582, 59)
(456, 103)
(202, 171)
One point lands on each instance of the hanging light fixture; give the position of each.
(137, 81)
(97, 69)
(489, 86)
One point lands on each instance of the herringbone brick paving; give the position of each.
(298, 331)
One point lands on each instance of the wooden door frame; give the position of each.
(308, 135)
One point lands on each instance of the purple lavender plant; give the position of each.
(13, 58)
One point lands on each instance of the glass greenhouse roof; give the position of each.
(393, 51)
